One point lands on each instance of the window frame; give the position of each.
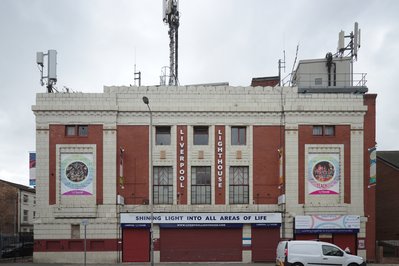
(162, 193)
(199, 133)
(236, 138)
(324, 130)
(238, 191)
(201, 186)
(78, 131)
(163, 133)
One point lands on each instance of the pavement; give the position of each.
(3, 263)
(28, 262)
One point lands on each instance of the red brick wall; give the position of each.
(8, 208)
(369, 192)
(266, 142)
(387, 218)
(342, 136)
(135, 142)
(57, 136)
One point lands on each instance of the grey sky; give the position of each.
(99, 41)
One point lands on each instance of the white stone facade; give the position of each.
(247, 106)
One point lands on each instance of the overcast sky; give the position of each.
(99, 41)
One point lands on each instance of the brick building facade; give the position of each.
(17, 208)
(235, 169)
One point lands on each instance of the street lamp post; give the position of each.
(147, 102)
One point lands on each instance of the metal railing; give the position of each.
(323, 80)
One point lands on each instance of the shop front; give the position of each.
(201, 237)
(341, 230)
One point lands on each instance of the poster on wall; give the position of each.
(323, 174)
(77, 174)
(373, 168)
(32, 169)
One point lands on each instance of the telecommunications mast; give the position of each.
(51, 68)
(171, 17)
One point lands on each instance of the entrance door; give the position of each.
(136, 245)
(264, 244)
(200, 244)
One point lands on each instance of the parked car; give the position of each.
(17, 250)
(308, 252)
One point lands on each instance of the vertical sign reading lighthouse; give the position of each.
(220, 171)
(181, 160)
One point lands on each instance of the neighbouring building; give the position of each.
(17, 208)
(387, 198)
(222, 172)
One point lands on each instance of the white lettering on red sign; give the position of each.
(182, 160)
(220, 166)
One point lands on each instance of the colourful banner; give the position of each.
(327, 222)
(77, 174)
(32, 168)
(323, 174)
(373, 166)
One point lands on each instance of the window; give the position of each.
(329, 130)
(239, 188)
(77, 130)
(201, 185)
(26, 216)
(70, 130)
(332, 251)
(34, 215)
(201, 135)
(25, 198)
(238, 136)
(83, 131)
(75, 231)
(162, 135)
(163, 185)
(323, 130)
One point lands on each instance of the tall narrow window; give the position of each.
(201, 135)
(75, 231)
(238, 136)
(239, 185)
(25, 198)
(201, 185)
(163, 185)
(162, 135)
(26, 216)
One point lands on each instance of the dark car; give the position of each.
(17, 250)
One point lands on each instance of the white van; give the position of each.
(307, 252)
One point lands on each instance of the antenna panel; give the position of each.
(165, 10)
(341, 40)
(52, 65)
(355, 38)
(39, 58)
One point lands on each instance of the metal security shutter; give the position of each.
(346, 240)
(199, 244)
(264, 244)
(136, 245)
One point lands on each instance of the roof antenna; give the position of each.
(51, 68)
(171, 17)
(281, 65)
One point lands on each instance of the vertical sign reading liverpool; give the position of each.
(181, 164)
(220, 171)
